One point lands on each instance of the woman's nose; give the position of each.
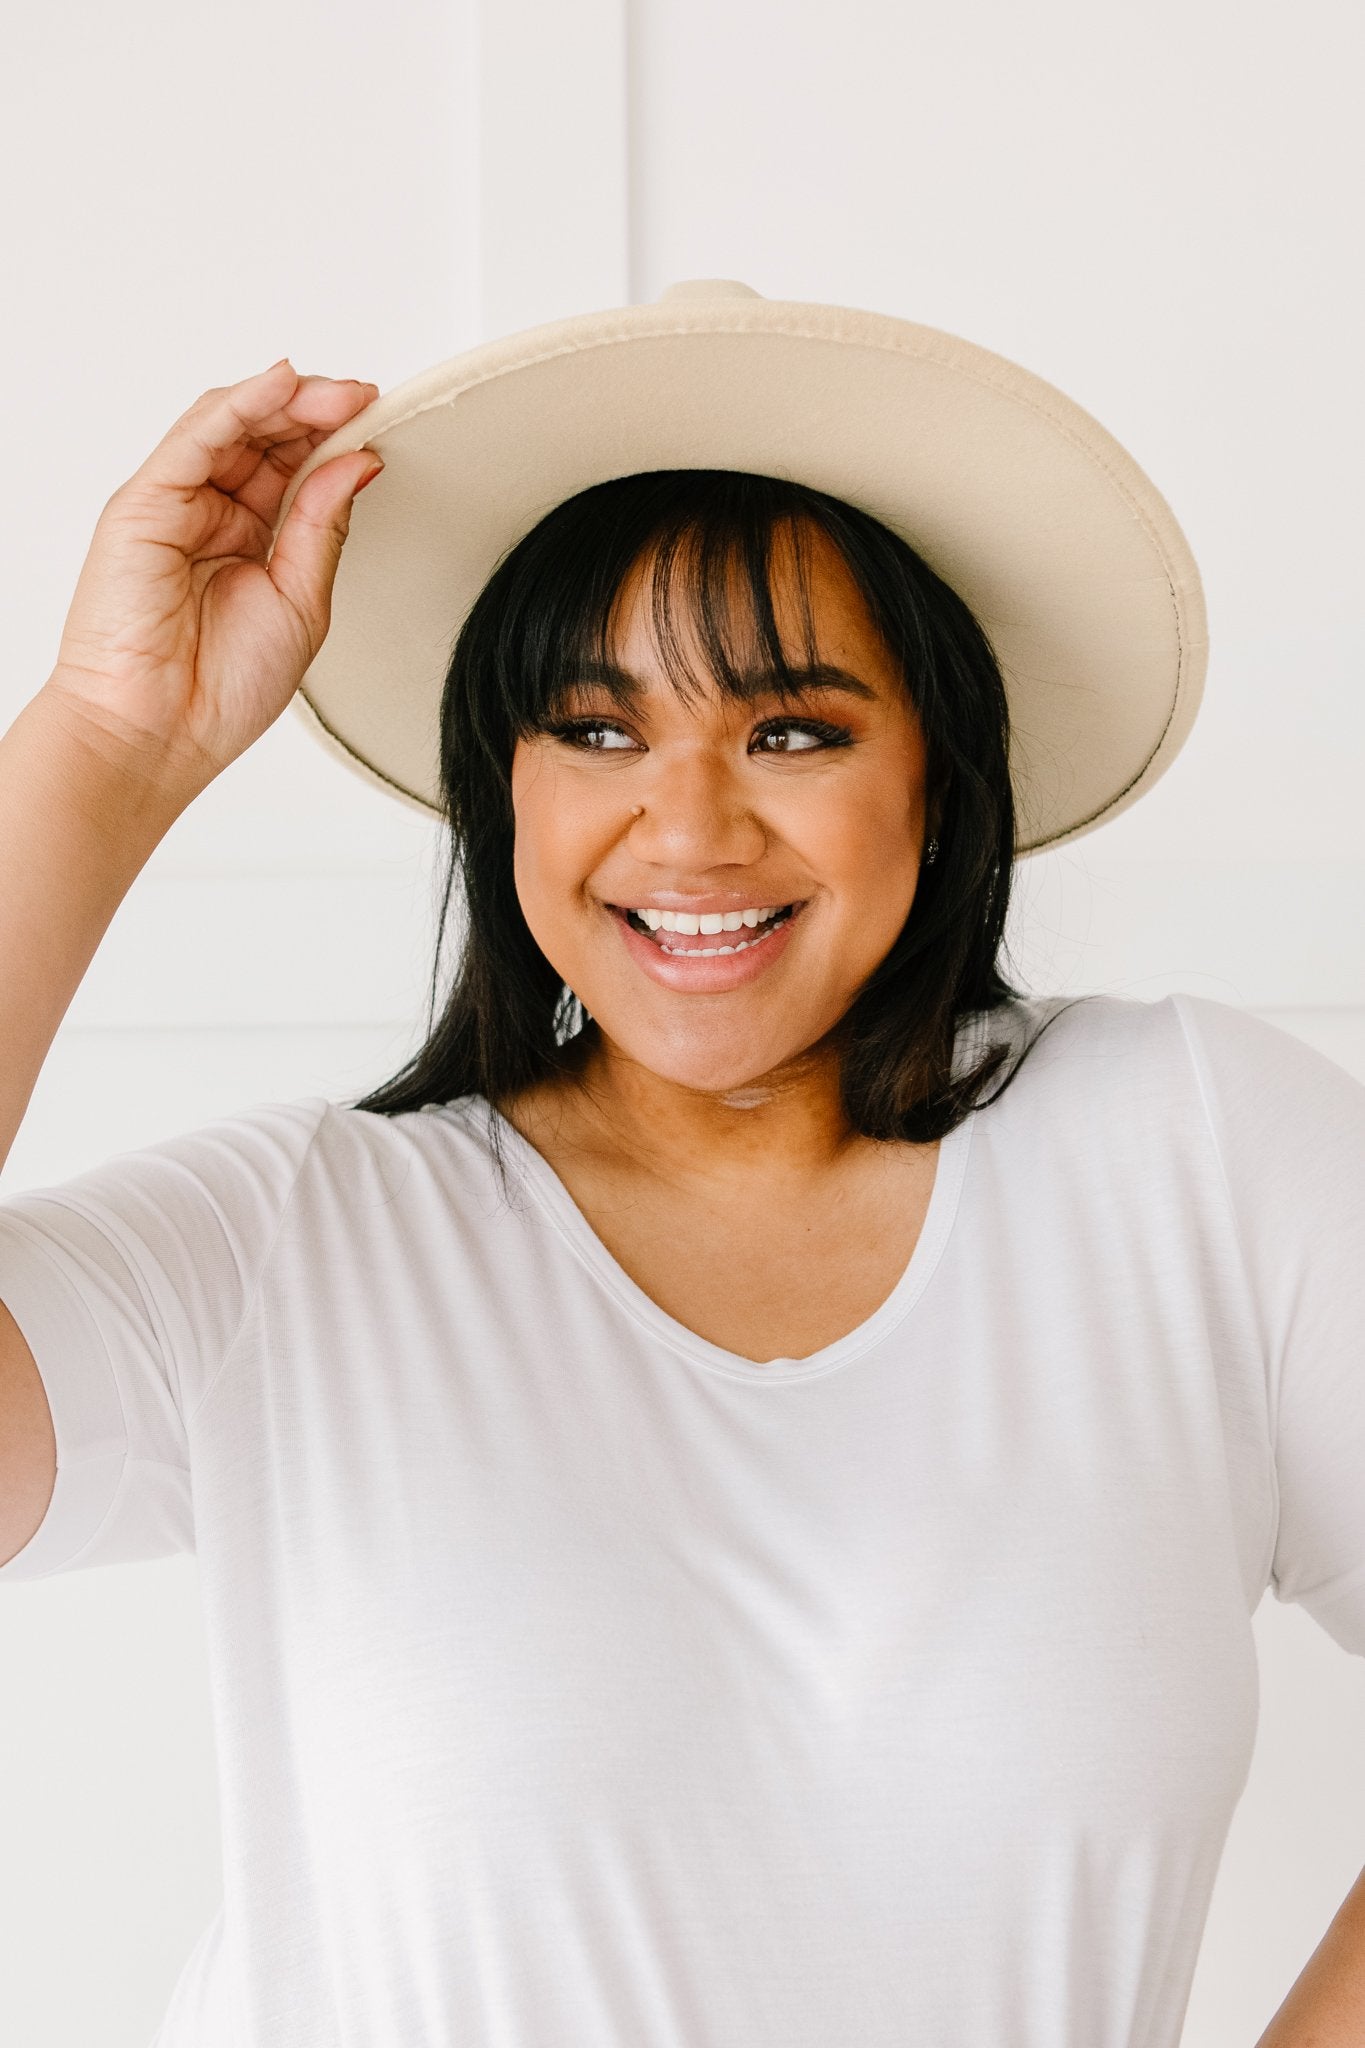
(694, 812)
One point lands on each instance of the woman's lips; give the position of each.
(705, 973)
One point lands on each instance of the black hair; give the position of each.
(508, 1021)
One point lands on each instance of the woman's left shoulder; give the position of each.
(1090, 1031)
(1268, 1080)
(1237, 1066)
(1178, 1025)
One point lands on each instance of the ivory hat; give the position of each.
(1043, 524)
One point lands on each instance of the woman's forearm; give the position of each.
(1325, 2007)
(77, 824)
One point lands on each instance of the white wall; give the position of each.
(1153, 208)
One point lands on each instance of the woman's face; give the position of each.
(814, 811)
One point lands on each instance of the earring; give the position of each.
(932, 854)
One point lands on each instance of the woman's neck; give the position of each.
(788, 1125)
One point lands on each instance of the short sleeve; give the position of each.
(1289, 1126)
(129, 1282)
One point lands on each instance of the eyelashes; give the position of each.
(827, 735)
(574, 731)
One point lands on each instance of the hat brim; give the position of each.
(1018, 498)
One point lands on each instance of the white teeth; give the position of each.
(709, 952)
(708, 922)
(692, 924)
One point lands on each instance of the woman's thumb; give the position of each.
(303, 562)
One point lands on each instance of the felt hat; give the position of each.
(1043, 524)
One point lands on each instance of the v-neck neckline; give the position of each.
(563, 1212)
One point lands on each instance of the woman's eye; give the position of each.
(592, 735)
(801, 736)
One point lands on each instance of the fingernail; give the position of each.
(368, 478)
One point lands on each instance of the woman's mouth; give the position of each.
(695, 954)
(677, 932)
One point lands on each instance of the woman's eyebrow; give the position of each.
(624, 685)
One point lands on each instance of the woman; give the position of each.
(729, 1496)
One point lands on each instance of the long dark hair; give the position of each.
(507, 1020)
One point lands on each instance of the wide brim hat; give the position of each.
(1018, 498)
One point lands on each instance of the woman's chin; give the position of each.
(745, 1059)
(738, 1076)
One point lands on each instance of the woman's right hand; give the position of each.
(188, 634)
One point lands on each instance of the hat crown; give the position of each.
(708, 288)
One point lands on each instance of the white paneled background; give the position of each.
(1155, 208)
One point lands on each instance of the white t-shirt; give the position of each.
(576, 1681)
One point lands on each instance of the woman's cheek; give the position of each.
(557, 846)
(872, 859)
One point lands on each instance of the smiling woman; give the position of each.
(705, 693)
(789, 1579)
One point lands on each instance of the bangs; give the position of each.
(706, 539)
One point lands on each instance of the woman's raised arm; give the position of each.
(186, 637)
